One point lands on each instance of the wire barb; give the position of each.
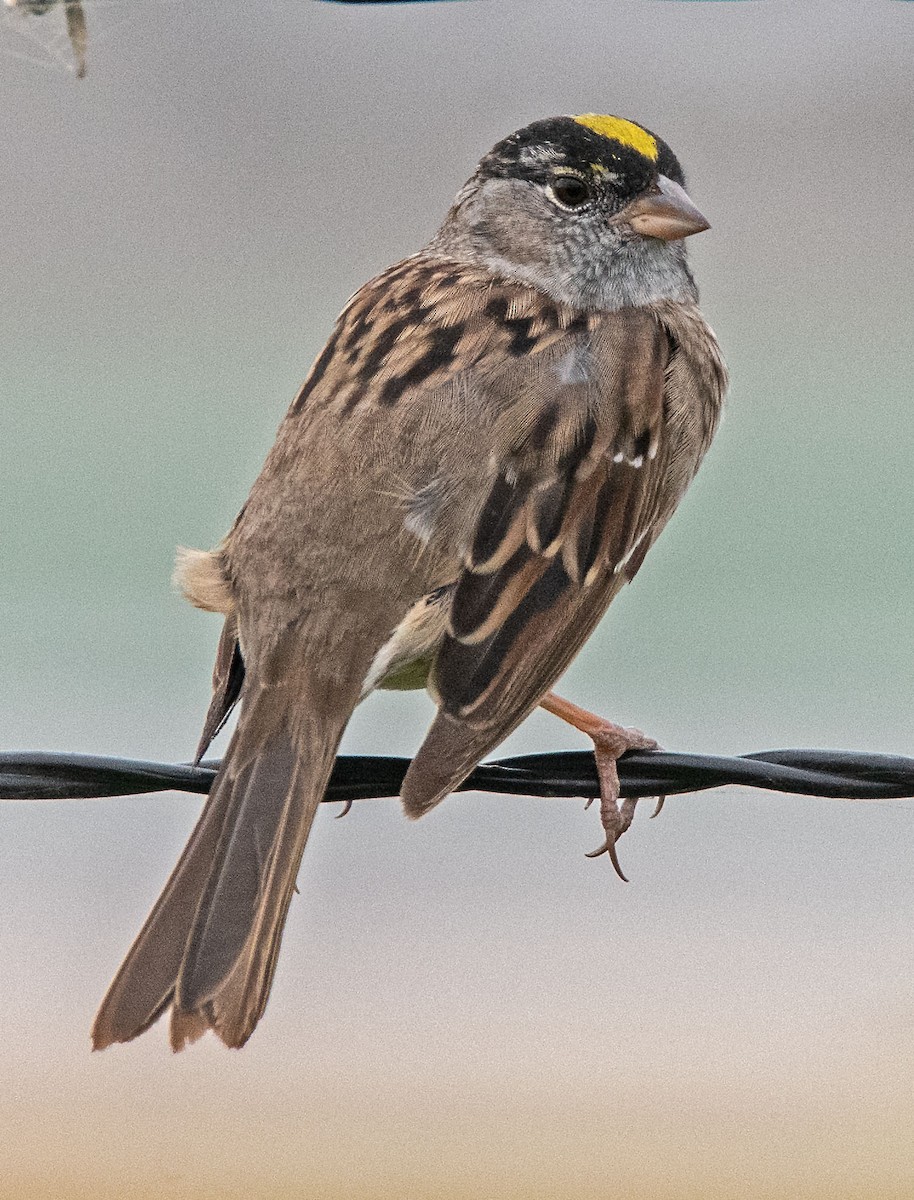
(837, 774)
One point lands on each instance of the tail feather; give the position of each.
(144, 985)
(263, 788)
(209, 946)
(232, 950)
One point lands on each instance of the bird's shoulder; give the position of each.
(423, 322)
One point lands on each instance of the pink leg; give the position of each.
(610, 742)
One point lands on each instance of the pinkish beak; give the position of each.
(665, 212)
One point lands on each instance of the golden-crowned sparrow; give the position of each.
(482, 455)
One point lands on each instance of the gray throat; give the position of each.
(618, 273)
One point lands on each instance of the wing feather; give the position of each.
(563, 510)
(589, 471)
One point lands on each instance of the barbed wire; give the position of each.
(836, 774)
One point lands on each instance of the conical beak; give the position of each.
(665, 212)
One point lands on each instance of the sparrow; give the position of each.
(483, 453)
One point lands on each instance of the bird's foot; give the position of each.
(610, 742)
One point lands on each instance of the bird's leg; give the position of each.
(610, 742)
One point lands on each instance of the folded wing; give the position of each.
(576, 501)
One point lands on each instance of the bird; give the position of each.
(493, 436)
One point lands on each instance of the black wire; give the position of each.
(842, 774)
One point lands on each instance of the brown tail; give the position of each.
(209, 946)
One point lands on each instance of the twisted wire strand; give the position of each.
(838, 774)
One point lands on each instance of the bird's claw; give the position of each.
(610, 744)
(615, 819)
(610, 849)
(347, 804)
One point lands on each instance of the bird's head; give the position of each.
(591, 209)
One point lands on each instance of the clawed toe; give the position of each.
(610, 742)
(609, 848)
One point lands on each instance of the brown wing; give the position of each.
(228, 680)
(593, 477)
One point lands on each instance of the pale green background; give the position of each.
(464, 1007)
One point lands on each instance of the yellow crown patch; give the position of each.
(626, 132)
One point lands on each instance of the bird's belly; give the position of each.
(405, 660)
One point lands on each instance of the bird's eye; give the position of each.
(570, 191)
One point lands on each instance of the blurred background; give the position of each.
(465, 1007)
